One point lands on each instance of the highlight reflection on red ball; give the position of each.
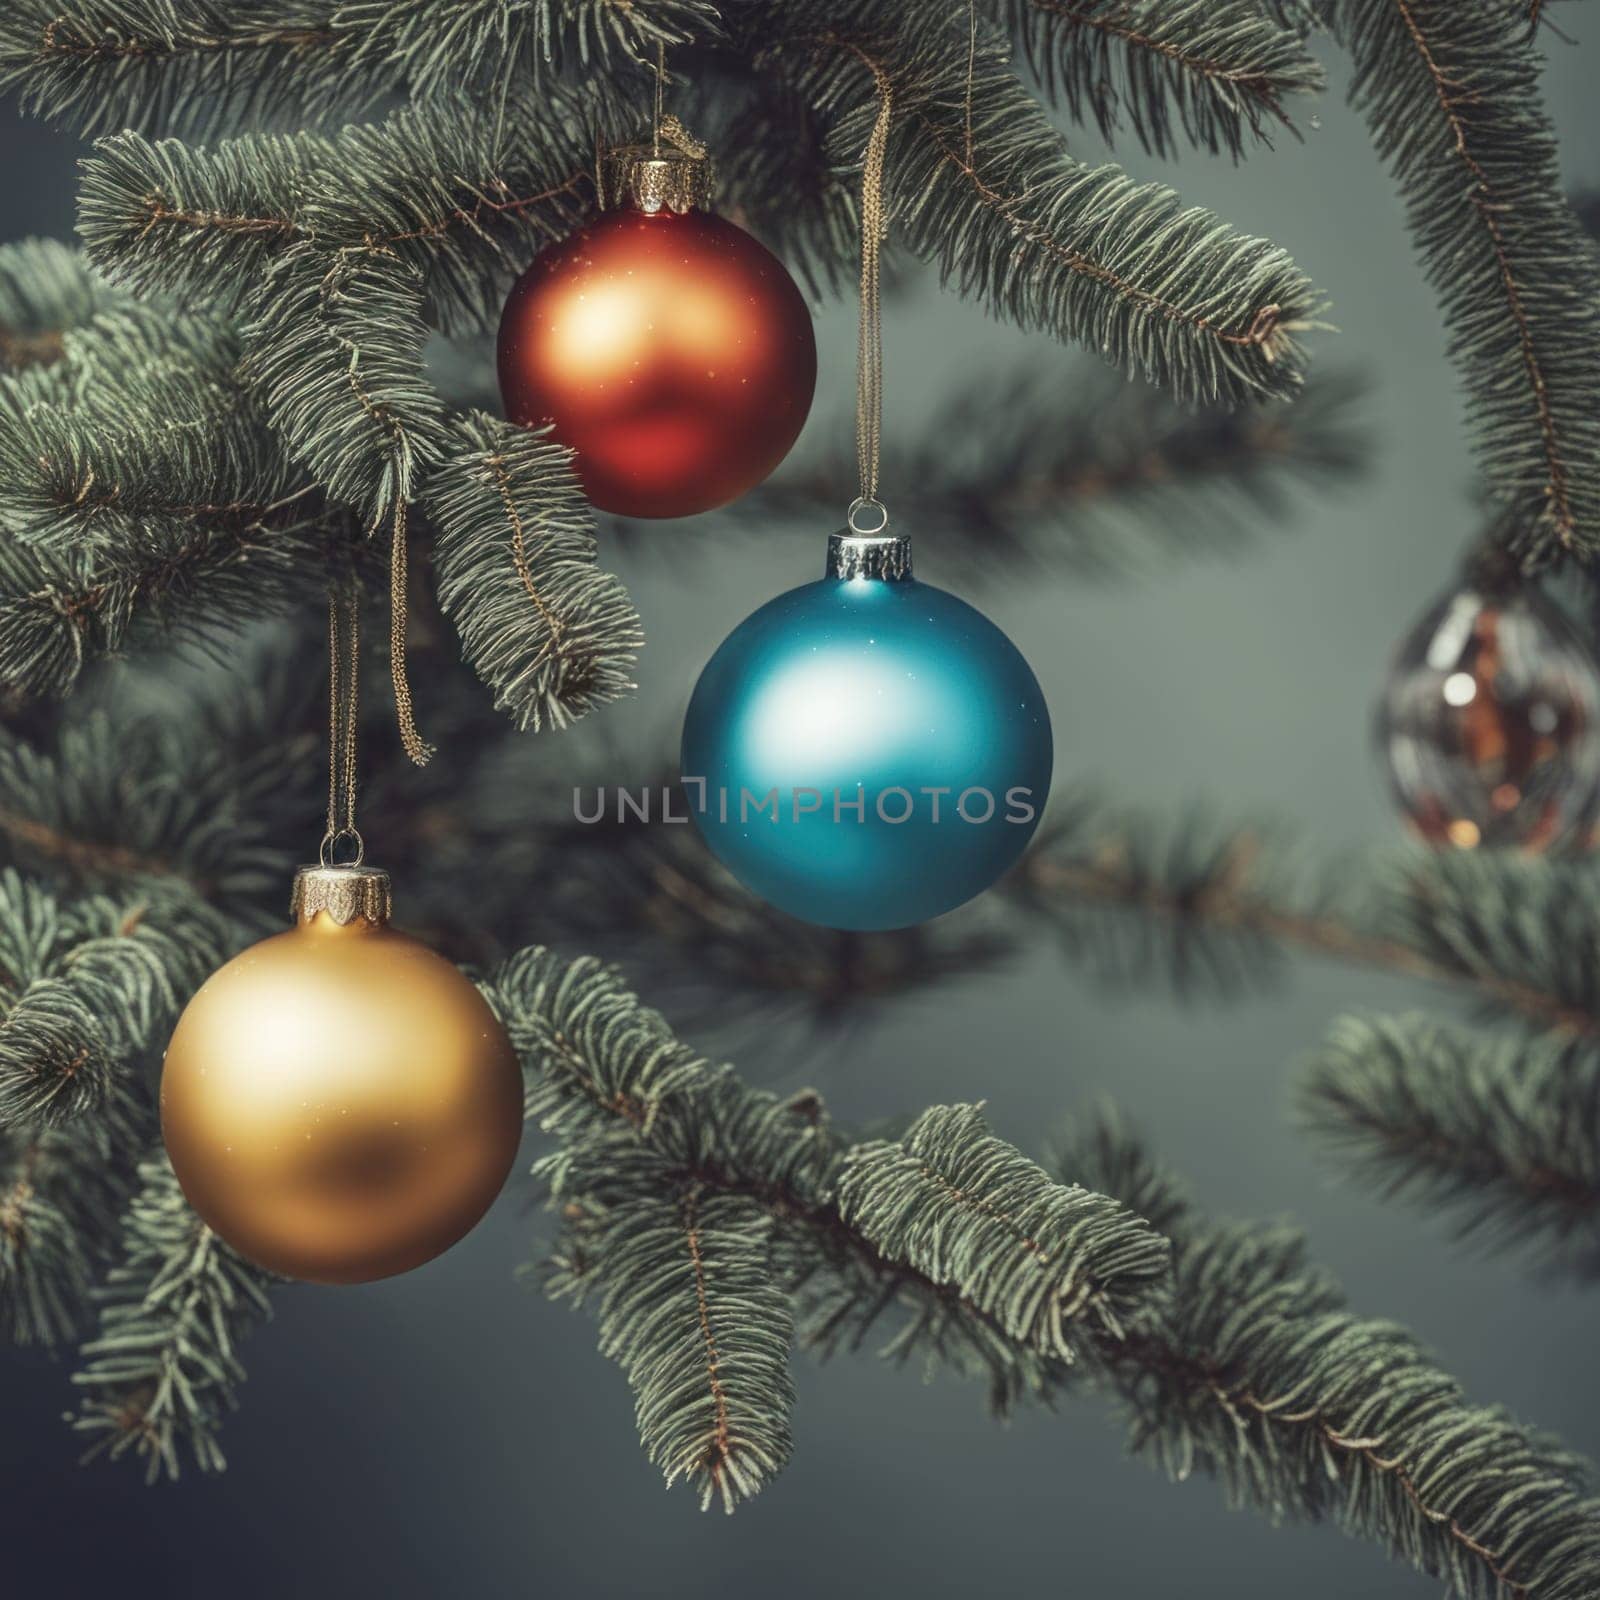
(672, 351)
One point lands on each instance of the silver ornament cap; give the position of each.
(342, 894)
(854, 555)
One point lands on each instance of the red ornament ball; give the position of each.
(670, 350)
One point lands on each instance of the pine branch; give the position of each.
(979, 182)
(1206, 907)
(541, 624)
(462, 190)
(335, 352)
(344, 246)
(138, 478)
(62, 1191)
(1503, 1132)
(1262, 1378)
(1217, 73)
(1251, 1370)
(786, 186)
(596, 1051)
(199, 801)
(608, 1076)
(688, 1307)
(56, 616)
(967, 1211)
(199, 224)
(1214, 909)
(162, 1372)
(465, 189)
(1043, 470)
(45, 289)
(87, 988)
(103, 65)
(450, 42)
(1520, 932)
(196, 66)
(1452, 94)
(136, 451)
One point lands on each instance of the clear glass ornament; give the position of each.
(1490, 723)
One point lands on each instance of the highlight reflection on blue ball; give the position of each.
(867, 752)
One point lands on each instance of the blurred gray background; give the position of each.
(450, 1433)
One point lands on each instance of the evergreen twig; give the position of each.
(541, 624)
(689, 1308)
(1452, 95)
(1250, 1368)
(979, 182)
(162, 1371)
(1218, 73)
(197, 66)
(61, 1193)
(1502, 1131)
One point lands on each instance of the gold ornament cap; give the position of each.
(342, 894)
(670, 174)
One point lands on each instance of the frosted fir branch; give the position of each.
(57, 616)
(553, 635)
(1452, 96)
(681, 1285)
(89, 987)
(199, 66)
(1206, 905)
(1519, 931)
(103, 65)
(128, 356)
(466, 188)
(610, 1079)
(1250, 1368)
(1214, 75)
(163, 1370)
(489, 41)
(1190, 899)
(596, 1053)
(160, 217)
(201, 801)
(137, 429)
(980, 183)
(1499, 1132)
(46, 288)
(334, 351)
(462, 190)
(62, 1191)
(966, 1210)
(129, 470)
(1213, 907)
(1262, 1377)
(786, 187)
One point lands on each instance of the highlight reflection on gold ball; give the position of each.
(339, 1102)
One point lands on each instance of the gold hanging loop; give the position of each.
(661, 84)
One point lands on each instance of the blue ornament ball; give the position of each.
(867, 751)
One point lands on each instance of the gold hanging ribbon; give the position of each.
(344, 670)
(869, 340)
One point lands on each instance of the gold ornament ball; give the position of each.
(339, 1102)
